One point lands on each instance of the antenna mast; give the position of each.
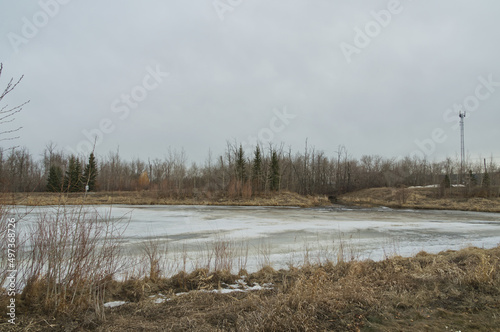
(462, 145)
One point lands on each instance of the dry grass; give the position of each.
(420, 198)
(283, 198)
(450, 291)
(70, 256)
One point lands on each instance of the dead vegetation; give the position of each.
(450, 291)
(283, 198)
(401, 197)
(66, 260)
(420, 198)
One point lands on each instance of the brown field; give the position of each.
(284, 198)
(420, 198)
(450, 291)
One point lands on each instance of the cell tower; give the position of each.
(462, 145)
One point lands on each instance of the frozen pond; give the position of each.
(280, 236)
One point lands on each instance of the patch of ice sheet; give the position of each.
(114, 304)
(286, 234)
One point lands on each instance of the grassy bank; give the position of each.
(450, 291)
(284, 198)
(410, 198)
(420, 198)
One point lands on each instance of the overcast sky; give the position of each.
(380, 77)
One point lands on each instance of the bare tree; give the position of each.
(7, 114)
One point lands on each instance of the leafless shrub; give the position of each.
(155, 253)
(346, 250)
(73, 254)
(264, 254)
(243, 250)
(223, 254)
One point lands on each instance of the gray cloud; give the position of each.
(227, 76)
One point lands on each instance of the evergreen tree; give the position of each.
(241, 166)
(274, 174)
(257, 169)
(78, 177)
(73, 177)
(90, 173)
(486, 180)
(67, 174)
(54, 181)
(446, 181)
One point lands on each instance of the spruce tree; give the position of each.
(486, 180)
(90, 173)
(446, 181)
(274, 174)
(257, 169)
(54, 181)
(73, 177)
(241, 173)
(67, 174)
(78, 177)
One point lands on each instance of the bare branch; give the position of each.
(9, 139)
(7, 114)
(17, 108)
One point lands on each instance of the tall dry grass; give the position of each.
(73, 254)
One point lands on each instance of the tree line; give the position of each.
(235, 172)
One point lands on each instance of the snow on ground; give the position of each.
(240, 286)
(114, 304)
(436, 186)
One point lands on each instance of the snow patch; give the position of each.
(240, 286)
(114, 304)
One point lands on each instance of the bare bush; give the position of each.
(155, 253)
(74, 253)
